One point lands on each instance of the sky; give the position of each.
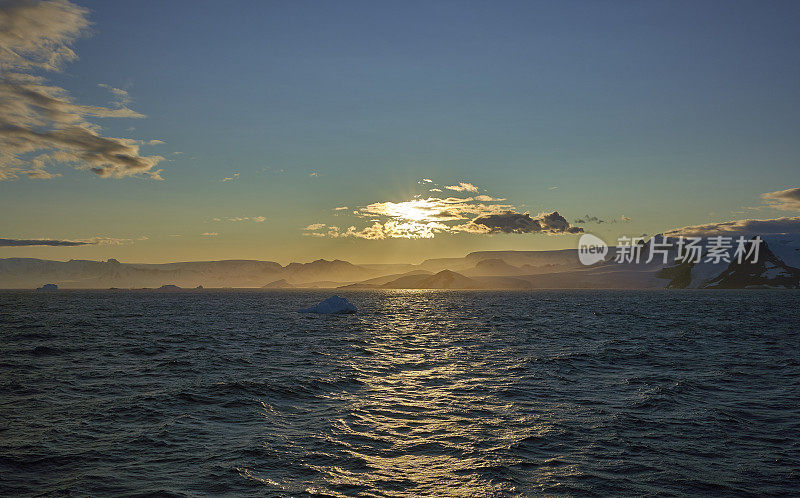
(290, 131)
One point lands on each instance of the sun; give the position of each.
(416, 210)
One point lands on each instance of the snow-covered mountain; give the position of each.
(778, 266)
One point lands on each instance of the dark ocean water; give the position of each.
(440, 393)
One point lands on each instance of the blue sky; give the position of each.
(670, 113)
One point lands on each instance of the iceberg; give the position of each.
(332, 305)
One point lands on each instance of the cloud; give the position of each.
(38, 35)
(122, 97)
(741, 227)
(112, 241)
(594, 219)
(589, 219)
(313, 174)
(41, 242)
(399, 229)
(785, 200)
(435, 190)
(38, 171)
(235, 176)
(341, 208)
(98, 240)
(505, 222)
(235, 219)
(209, 234)
(427, 180)
(40, 124)
(389, 230)
(552, 188)
(425, 218)
(512, 222)
(463, 187)
(431, 209)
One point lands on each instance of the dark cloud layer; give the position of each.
(40, 242)
(741, 227)
(787, 200)
(512, 222)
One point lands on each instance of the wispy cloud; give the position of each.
(488, 198)
(589, 219)
(113, 241)
(40, 124)
(268, 169)
(235, 219)
(394, 229)
(121, 96)
(234, 176)
(463, 187)
(209, 234)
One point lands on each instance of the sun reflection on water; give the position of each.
(428, 417)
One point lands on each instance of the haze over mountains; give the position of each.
(779, 266)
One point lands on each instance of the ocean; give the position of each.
(420, 393)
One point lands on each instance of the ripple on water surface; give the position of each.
(441, 393)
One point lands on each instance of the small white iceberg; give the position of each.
(331, 306)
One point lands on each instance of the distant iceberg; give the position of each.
(332, 305)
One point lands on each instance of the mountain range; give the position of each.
(777, 267)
